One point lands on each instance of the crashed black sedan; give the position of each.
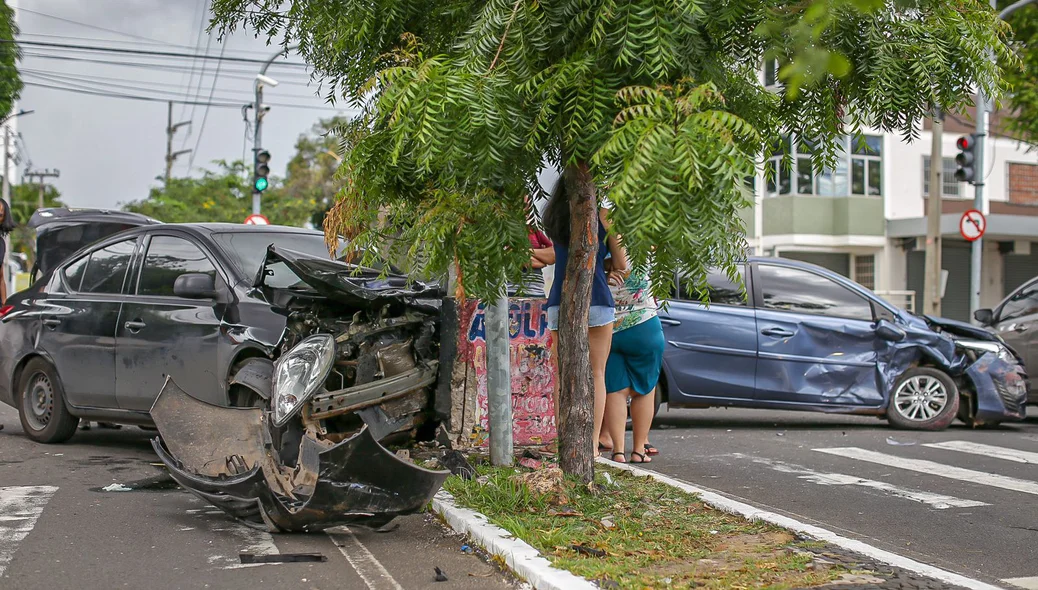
(270, 370)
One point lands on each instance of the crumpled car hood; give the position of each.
(343, 282)
(961, 329)
(227, 457)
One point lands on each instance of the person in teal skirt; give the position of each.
(633, 366)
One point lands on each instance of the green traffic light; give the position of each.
(261, 184)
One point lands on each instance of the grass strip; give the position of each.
(626, 531)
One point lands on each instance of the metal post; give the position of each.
(932, 287)
(258, 122)
(499, 382)
(980, 203)
(7, 164)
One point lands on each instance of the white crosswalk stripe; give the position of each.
(938, 501)
(934, 468)
(20, 508)
(983, 450)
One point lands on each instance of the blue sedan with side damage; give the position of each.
(800, 337)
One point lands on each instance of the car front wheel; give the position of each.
(42, 410)
(923, 398)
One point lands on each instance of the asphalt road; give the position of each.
(964, 500)
(59, 529)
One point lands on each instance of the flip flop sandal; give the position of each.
(651, 450)
(613, 458)
(643, 459)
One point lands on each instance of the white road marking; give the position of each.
(370, 569)
(1028, 583)
(986, 451)
(938, 501)
(21, 506)
(938, 469)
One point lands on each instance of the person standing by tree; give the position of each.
(635, 359)
(7, 225)
(601, 314)
(542, 255)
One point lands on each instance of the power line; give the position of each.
(93, 81)
(205, 116)
(244, 74)
(96, 27)
(141, 52)
(106, 79)
(194, 62)
(227, 105)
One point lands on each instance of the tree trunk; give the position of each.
(576, 389)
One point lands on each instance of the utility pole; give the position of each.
(42, 174)
(932, 284)
(171, 156)
(980, 203)
(258, 111)
(499, 381)
(7, 153)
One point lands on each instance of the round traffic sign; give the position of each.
(972, 225)
(256, 219)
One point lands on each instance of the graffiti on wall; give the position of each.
(532, 369)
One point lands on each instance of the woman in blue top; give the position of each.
(557, 225)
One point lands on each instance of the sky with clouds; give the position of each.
(112, 150)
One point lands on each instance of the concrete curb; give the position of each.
(735, 507)
(523, 559)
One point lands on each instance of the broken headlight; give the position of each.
(299, 373)
(982, 346)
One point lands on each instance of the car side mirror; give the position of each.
(984, 316)
(889, 332)
(195, 285)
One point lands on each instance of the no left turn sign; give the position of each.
(256, 219)
(972, 225)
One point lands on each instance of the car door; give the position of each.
(816, 339)
(711, 350)
(1016, 322)
(161, 334)
(78, 326)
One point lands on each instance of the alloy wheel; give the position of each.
(920, 398)
(38, 401)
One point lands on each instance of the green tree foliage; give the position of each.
(24, 201)
(10, 81)
(659, 101)
(1023, 75)
(224, 195)
(311, 176)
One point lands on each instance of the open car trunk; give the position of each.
(61, 232)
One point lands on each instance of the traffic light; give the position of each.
(259, 181)
(964, 171)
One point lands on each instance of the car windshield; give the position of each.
(247, 250)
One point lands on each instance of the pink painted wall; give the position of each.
(532, 368)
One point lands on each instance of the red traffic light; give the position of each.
(966, 142)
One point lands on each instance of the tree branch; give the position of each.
(501, 45)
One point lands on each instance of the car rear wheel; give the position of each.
(923, 398)
(42, 410)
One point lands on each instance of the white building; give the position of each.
(866, 218)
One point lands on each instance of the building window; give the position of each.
(949, 186)
(865, 270)
(771, 72)
(858, 169)
(1023, 183)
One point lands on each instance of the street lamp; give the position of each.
(257, 148)
(7, 152)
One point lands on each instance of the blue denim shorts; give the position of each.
(598, 315)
